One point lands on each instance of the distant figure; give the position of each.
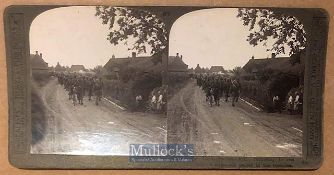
(159, 103)
(217, 91)
(276, 103)
(227, 85)
(70, 93)
(290, 103)
(210, 96)
(98, 91)
(296, 102)
(90, 87)
(154, 102)
(235, 90)
(74, 95)
(139, 101)
(79, 93)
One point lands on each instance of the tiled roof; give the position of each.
(281, 64)
(37, 62)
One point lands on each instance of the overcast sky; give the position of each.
(74, 35)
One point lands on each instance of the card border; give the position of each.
(17, 20)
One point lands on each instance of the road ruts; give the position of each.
(231, 131)
(93, 130)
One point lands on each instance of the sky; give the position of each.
(214, 37)
(73, 35)
(211, 37)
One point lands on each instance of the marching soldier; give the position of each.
(235, 90)
(90, 86)
(79, 92)
(98, 91)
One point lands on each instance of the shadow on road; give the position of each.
(38, 118)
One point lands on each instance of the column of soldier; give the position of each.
(217, 86)
(78, 86)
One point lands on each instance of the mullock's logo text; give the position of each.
(161, 152)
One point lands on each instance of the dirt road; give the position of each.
(90, 129)
(231, 131)
(108, 130)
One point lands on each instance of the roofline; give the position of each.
(268, 58)
(131, 57)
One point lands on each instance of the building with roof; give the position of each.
(275, 64)
(59, 68)
(143, 64)
(77, 68)
(116, 64)
(176, 64)
(178, 71)
(265, 77)
(217, 69)
(198, 69)
(37, 63)
(127, 77)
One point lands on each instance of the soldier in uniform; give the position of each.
(216, 90)
(70, 91)
(227, 85)
(79, 92)
(98, 90)
(74, 95)
(90, 86)
(235, 90)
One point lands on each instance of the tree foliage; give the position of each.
(282, 29)
(98, 70)
(237, 71)
(127, 24)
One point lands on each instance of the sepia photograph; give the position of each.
(166, 87)
(94, 90)
(234, 81)
(237, 82)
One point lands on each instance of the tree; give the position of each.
(98, 70)
(145, 28)
(237, 71)
(266, 25)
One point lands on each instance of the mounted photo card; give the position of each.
(165, 87)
